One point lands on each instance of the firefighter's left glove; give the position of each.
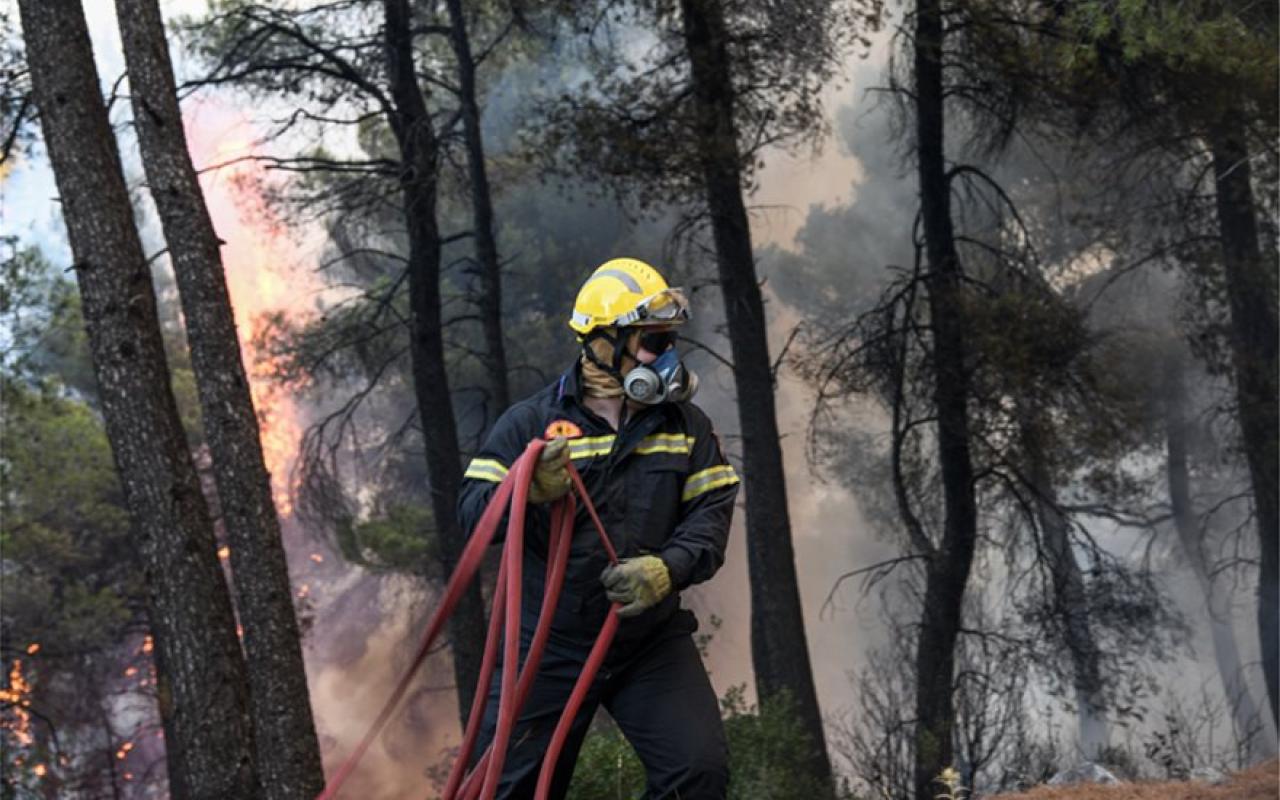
(551, 477)
(638, 583)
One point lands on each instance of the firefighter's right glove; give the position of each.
(551, 476)
(638, 583)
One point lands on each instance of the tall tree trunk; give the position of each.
(1070, 601)
(490, 270)
(203, 686)
(419, 163)
(108, 749)
(288, 750)
(1251, 291)
(1246, 715)
(947, 570)
(779, 650)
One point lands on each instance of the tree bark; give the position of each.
(203, 686)
(1245, 713)
(779, 650)
(288, 750)
(419, 164)
(490, 269)
(947, 569)
(1251, 292)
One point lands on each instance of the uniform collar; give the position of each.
(570, 387)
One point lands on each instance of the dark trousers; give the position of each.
(660, 698)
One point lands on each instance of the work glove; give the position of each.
(638, 583)
(551, 477)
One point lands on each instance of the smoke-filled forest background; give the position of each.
(984, 311)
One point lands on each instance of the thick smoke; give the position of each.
(858, 209)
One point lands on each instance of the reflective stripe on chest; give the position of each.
(594, 446)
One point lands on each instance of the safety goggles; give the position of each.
(658, 341)
(668, 306)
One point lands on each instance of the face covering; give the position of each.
(598, 379)
(604, 357)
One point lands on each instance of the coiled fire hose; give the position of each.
(513, 495)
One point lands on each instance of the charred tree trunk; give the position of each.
(489, 268)
(1251, 292)
(1246, 715)
(288, 751)
(1070, 601)
(419, 164)
(203, 686)
(947, 569)
(108, 750)
(779, 650)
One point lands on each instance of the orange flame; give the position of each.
(258, 256)
(33, 648)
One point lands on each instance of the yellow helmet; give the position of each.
(626, 291)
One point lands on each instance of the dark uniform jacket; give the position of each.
(661, 486)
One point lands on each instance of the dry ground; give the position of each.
(1260, 783)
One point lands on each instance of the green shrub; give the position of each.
(608, 768)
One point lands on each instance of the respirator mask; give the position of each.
(666, 380)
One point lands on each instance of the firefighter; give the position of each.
(652, 465)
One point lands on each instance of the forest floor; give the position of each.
(1259, 783)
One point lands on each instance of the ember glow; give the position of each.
(16, 697)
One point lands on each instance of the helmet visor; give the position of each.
(669, 306)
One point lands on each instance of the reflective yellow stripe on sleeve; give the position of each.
(486, 469)
(706, 480)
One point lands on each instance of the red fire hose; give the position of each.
(517, 680)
